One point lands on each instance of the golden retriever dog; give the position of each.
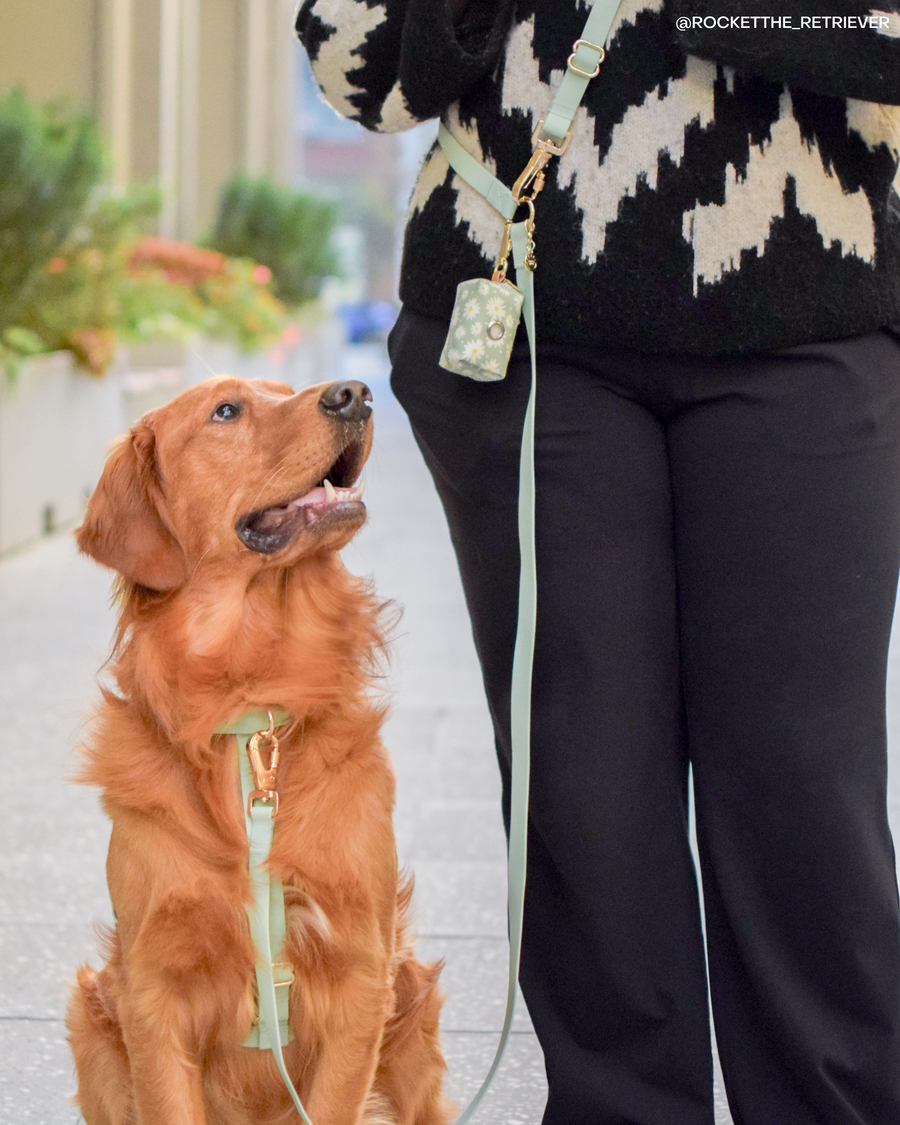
(223, 513)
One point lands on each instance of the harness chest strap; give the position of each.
(259, 821)
(266, 913)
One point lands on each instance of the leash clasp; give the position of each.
(264, 775)
(533, 173)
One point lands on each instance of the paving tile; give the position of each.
(466, 899)
(474, 978)
(63, 818)
(470, 830)
(54, 872)
(445, 750)
(37, 967)
(520, 1089)
(36, 1075)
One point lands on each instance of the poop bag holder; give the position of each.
(482, 329)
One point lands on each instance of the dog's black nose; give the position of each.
(347, 401)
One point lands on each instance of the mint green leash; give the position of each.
(583, 65)
(267, 915)
(520, 699)
(259, 819)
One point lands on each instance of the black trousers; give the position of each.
(718, 547)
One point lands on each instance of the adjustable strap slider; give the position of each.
(282, 977)
(601, 55)
(283, 974)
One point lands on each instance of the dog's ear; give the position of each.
(122, 527)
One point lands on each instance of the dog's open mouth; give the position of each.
(334, 499)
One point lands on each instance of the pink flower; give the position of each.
(56, 265)
(291, 335)
(262, 275)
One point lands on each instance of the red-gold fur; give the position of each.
(209, 628)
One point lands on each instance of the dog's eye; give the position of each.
(226, 412)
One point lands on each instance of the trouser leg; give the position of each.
(612, 965)
(786, 485)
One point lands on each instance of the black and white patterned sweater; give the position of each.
(727, 189)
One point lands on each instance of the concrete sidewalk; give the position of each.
(55, 628)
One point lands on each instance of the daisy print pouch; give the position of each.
(482, 329)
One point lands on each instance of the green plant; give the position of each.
(79, 269)
(76, 300)
(175, 288)
(112, 282)
(282, 228)
(48, 168)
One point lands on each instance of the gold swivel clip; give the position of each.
(257, 744)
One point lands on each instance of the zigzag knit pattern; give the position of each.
(701, 207)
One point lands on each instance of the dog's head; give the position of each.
(231, 473)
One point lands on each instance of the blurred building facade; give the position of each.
(187, 91)
(371, 175)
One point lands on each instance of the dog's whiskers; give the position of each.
(272, 476)
(200, 560)
(202, 360)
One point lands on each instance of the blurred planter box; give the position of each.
(151, 375)
(56, 423)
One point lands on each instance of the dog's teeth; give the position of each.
(360, 489)
(330, 494)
